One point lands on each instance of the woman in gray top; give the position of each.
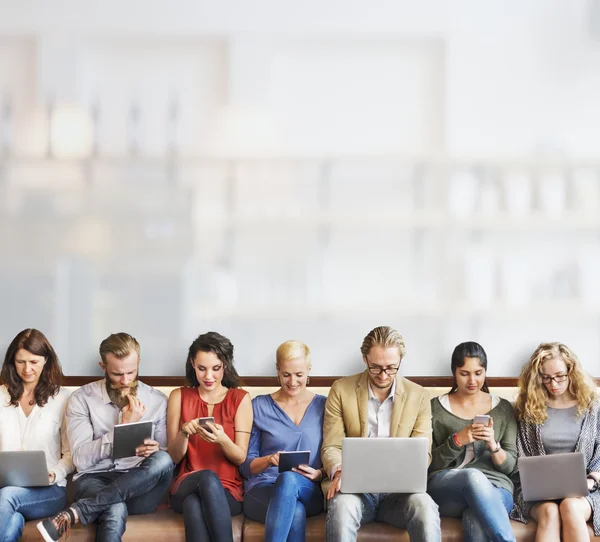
(558, 411)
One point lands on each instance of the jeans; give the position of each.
(484, 508)
(206, 506)
(284, 506)
(20, 504)
(109, 497)
(415, 512)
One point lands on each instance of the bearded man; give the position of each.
(108, 490)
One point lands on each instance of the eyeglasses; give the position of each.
(558, 378)
(377, 370)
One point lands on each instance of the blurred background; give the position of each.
(309, 170)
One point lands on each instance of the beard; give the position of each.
(118, 396)
(381, 386)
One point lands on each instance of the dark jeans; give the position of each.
(109, 497)
(20, 504)
(284, 506)
(206, 506)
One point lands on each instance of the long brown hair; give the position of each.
(221, 346)
(33, 341)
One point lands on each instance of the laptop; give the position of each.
(23, 469)
(555, 476)
(385, 465)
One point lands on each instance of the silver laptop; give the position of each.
(23, 469)
(555, 476)
(385, 465)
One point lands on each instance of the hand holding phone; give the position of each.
(203, 422)
(484, 431)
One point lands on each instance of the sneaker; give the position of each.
(53, 529)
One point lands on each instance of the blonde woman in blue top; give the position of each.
(291, 419)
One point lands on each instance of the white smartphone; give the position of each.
(483, 419)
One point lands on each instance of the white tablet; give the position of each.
(129, 436)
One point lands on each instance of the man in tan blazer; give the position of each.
(376, 403)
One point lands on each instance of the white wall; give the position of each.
(523, 78)
(323, 248)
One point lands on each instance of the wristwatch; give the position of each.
(497, 449)
(596, 480)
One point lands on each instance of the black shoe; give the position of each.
(53, 529)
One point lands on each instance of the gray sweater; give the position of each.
(447, 455)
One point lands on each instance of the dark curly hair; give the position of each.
(221, 346)
(33, 341)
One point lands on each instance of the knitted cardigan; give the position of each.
(529, 443)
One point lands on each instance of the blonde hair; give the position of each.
(119, 345)
(532, 395)
(385, 337)
(292, 350)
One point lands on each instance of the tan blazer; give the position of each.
(346, 415)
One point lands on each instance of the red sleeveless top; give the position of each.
(202, 455)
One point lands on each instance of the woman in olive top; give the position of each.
(472, 462)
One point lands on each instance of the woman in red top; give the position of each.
(208, 488)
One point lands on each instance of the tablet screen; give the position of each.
(289, 460)
(128, 436)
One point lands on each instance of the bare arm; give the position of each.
(236, 450)
(177, 443)
(261, 464)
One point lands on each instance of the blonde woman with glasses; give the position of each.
(558, 411)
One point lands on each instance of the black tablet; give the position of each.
(129, 436)
(289, 460)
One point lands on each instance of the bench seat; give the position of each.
(167, 525)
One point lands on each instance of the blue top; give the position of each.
(274, 431)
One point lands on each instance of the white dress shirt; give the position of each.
(44, 429)
(380, 413)
(91, 417)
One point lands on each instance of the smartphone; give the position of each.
(483, 419)
(204, 421)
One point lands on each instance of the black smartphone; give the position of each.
(204, 421)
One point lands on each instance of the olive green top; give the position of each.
(445, 454)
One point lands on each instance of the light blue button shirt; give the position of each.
(91, 417)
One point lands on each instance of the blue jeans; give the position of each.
(109, 497)
(20, 504)
(284, 506)
(206, 506)
(484, 508)
(415, 512)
